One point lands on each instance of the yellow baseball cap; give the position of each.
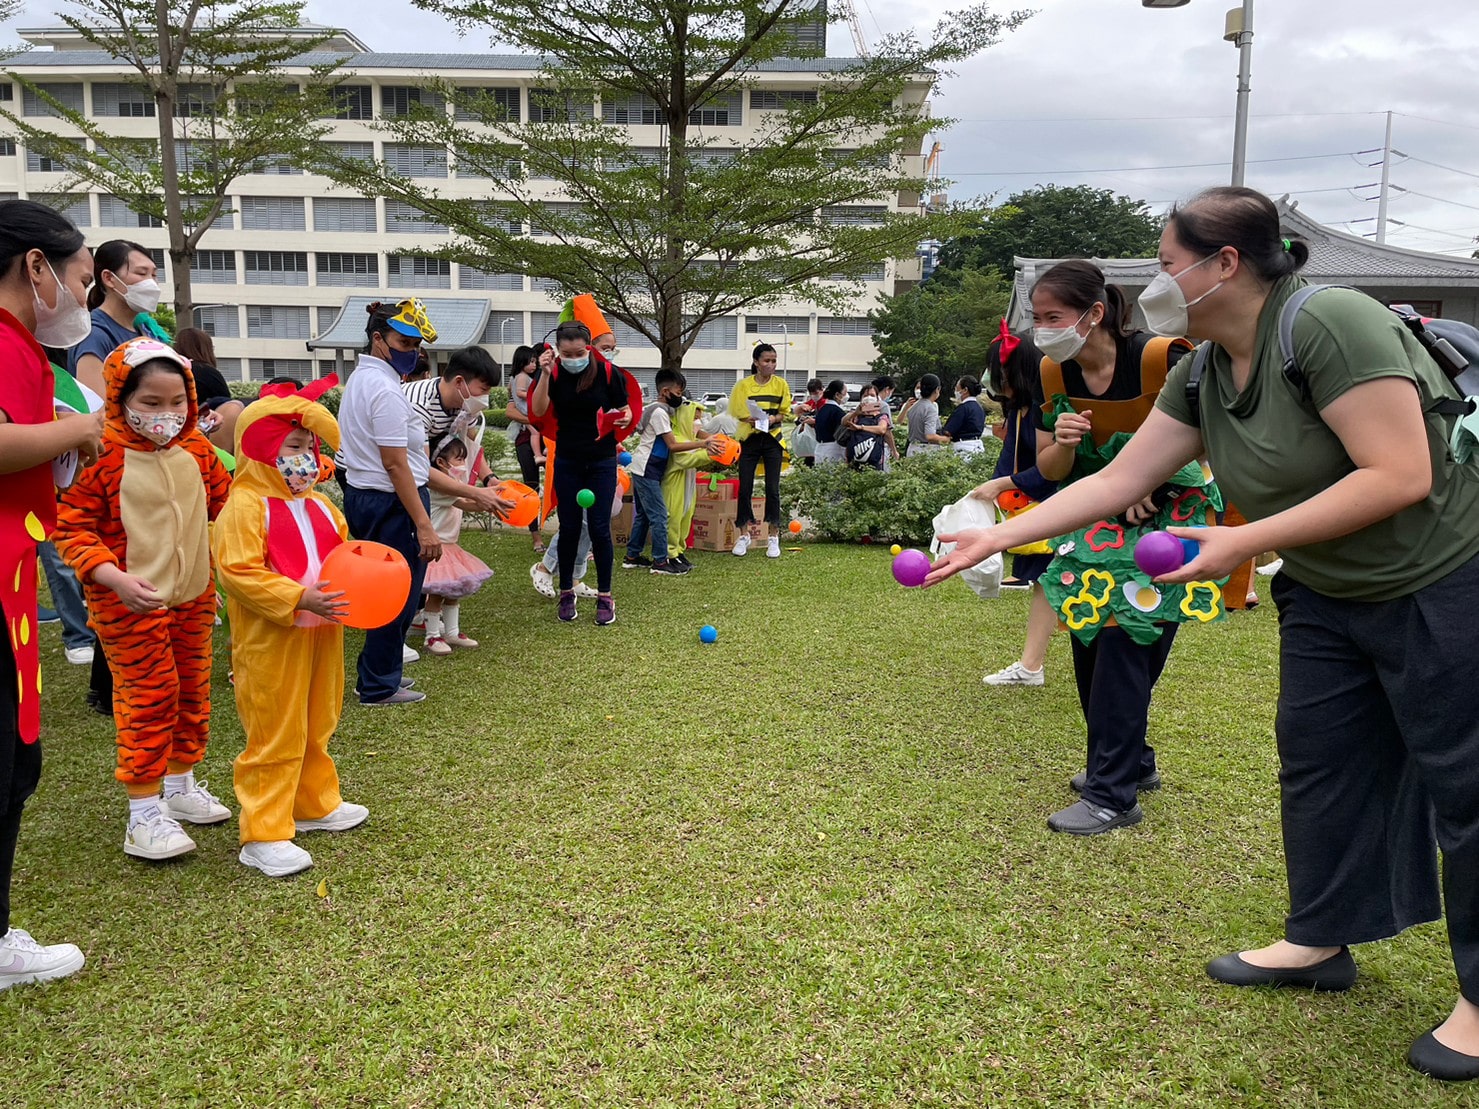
(411, 320)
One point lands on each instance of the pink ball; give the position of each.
(1158, 553)
(911, 567)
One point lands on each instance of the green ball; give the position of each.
(585, 498)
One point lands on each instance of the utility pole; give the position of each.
(1386, 184)
(1239, 29)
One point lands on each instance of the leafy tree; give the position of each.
(942, 326)
(1056, 221)
(699, 226)
(224, 107)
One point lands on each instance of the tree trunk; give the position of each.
(166, 96)
(670, 298)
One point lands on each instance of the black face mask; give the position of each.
(674, 401)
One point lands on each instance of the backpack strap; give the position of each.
(1194, 381)
(1292, 373)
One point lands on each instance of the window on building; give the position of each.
(486, 162)
(353, 102)
(773, 99)
(857, 215)
(629, 339)
(277, 165)
(399, 101)
(356, 151)
(418, 272)
(844, 325)
(214, 267)
(632, 108)
(196, 101)
(777, 325)
(711, 157)
(271, 213)
(504, 328)
(254, 98)
(501, 216)
(546, 285)
(122, 100)
(7, 94)
(277, 321)
(114, 211)
(480, 103)
(1428, 309)
(720, 334)
(550, 106)
(546, 167)
(299, 369)
(416, 159)
(835, 159)
(355, 270)
(275, 267)
(874, 272)
(220, 320)
(326, 315)
(558, 216)
(197, 155)
(36, 162)
(724, 110)
(156, 255)
(344, 213)
(402, 219)
(7, 148)
(632, 157)
(470, 278)
(541, 324)
(231, 368)
(72, 205)
(68, 95)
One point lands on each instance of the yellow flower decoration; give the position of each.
(1214, 600)
(1107, 586)
(1071, 612)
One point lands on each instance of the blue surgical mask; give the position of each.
(404, 361)
(576, 365)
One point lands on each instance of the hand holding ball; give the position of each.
(911, 567)
(1158, 553)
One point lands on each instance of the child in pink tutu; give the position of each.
(456, 574)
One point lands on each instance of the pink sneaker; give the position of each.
(436, 645)
(460, 640)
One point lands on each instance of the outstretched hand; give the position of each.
(972, 546)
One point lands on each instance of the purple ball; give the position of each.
(1158, 553)
(911, 567)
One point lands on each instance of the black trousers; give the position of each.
(20, 771)
(524, 450)
(1115, 678)
(761, 446)
(570, 477)
(379, 517)
(1379, 763)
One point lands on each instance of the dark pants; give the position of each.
(20, 771)
(761, 446)
(100, 680)
(381, 518)
(524, 449)
(66, 598)
(570, 477)
(1115, 677)
(1379, 756)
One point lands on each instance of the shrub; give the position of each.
(894, 506)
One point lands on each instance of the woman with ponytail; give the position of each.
(124, 284)
(1345, 468)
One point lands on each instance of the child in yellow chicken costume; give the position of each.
(287, 648)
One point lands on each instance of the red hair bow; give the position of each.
(1009, 342)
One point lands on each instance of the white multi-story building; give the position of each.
(296, 252)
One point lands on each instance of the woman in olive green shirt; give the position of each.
(1347, 474)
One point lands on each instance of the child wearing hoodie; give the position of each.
(287, 645)
(135, 528)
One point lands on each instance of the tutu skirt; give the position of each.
(456, 574)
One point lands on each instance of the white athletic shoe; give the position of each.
(23, 960)
(79, 656)
(1015, 674)
(277, 858)
(1266, 571)
(156, 835)
(348, 815)
(741, 546)
(197, 806)
(409, 655)
(773, 547)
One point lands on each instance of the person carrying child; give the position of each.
(649, 466)
(287, 646)
(457, 574)
(135, 528)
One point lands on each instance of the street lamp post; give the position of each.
(503, 346)
(786, 350)
(1238, 30)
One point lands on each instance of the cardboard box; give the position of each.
(621, 523)
(758, 531)
(713, 525)
(725, 489)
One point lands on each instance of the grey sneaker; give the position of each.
(1015, 674)
(1084, 819)
(1148, 784)
(399, 697)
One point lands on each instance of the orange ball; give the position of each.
(1013, 500)
(526, 503)
(729, 450)
(374, 579)
(623, 482)
(795, 527)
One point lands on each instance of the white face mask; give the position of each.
(1061, 343)
(158, 427)
(143, 296)
(64, 325)
(1165, 305)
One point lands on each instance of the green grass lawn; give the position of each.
(805, 866)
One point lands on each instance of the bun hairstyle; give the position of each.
(1245, 220)
(1080, 285)
(379, 314)
(836, 390)
(111, 257)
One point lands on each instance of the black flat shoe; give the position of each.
(1333, 975)
(1433, 1059)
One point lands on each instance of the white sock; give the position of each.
(138, 807)
(450, 629)
(433, 625)
(179, 783)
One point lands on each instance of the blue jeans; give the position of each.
(570, 477)
(381, 518)
(66, 597)
(582, 554)
(649, 512)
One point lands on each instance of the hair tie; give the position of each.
(1288, 246)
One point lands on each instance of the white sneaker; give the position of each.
(1266, 571)
(23, 960)
(466, 642)
(156, 835)
(79, 656)
(276, 859)
(436, 645)
(773, 547)
(409, 655)
(741, 546)
(348, 815)
(583, 590)
(197, 806)
(1015, 674)
(544, 583)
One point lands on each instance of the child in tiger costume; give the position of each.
(135, 528)
(287, 647)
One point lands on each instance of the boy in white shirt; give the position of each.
(649, 463)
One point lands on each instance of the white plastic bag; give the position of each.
(984, 578)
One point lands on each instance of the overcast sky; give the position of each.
(1110, 87)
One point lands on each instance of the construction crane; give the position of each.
(860, 44)
(936, 199)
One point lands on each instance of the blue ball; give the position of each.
(624, 458)
(1192, 549)
(708, 634)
